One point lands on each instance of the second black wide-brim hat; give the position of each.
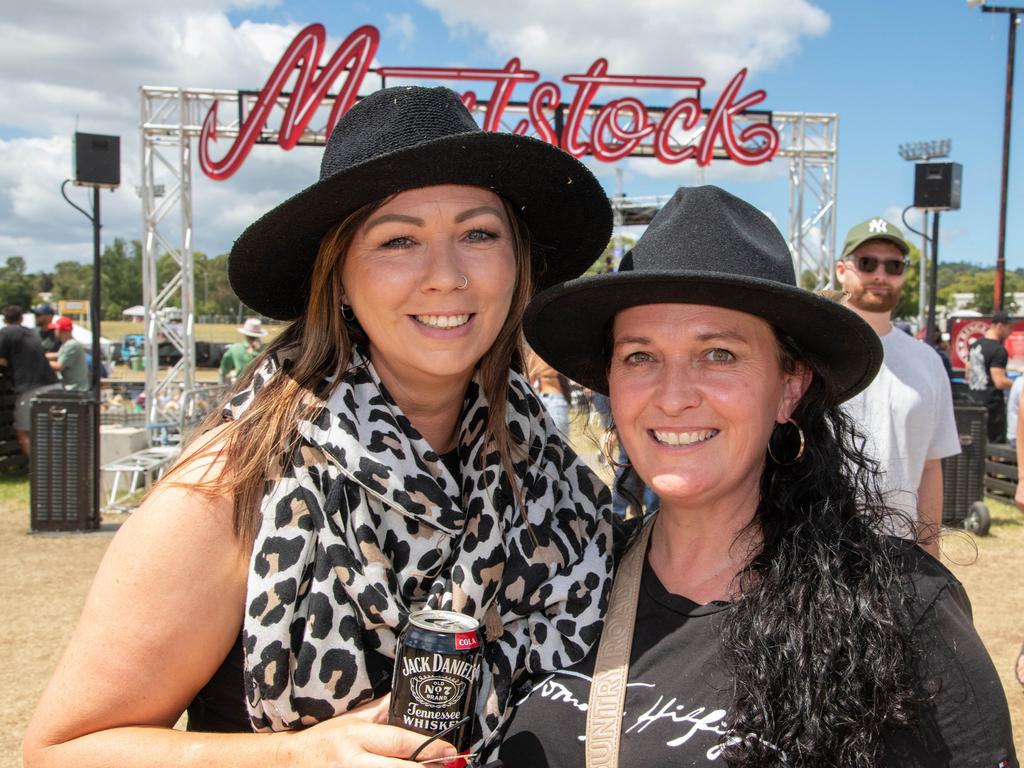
(397, 139)
(708, 247)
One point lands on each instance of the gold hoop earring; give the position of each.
(606, 449)
(800, 451)
(347, 313)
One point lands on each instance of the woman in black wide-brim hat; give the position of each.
(760, 618)
(383, 455)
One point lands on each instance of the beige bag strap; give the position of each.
(611, 669)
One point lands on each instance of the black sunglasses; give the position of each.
(868, 264)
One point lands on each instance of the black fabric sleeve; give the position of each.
(999, 358)
(963, 721)
(5, 343)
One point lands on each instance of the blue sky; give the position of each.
(894, 72)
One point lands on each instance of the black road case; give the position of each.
(63, 466)
(963, 476)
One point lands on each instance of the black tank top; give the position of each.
(220, 706)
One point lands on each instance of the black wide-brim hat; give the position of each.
(704, 247)
(397, 139)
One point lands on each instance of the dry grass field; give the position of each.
(115, 330)
(48, 576)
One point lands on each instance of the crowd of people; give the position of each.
(39, 360)
(775, 599)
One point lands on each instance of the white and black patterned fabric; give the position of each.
(366, 525)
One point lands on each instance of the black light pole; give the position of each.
(97, 163)
(94, 302)
(1014, 13)
(922, 152)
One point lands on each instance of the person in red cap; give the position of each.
(69, 360)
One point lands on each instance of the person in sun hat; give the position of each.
(760, 617)
(383, 454)
(239, 355)
(907, 412)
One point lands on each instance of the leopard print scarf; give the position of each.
(366, 524)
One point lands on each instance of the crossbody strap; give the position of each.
(611, 669)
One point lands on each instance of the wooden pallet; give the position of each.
(1001, 471)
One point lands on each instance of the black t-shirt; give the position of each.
(27, 364)
(679, 691)
(48, 339)
(982, 356)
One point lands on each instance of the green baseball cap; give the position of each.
(874, 229)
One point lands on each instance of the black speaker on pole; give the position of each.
(97, 160)
(937, 186)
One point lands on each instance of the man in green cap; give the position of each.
(907, 411)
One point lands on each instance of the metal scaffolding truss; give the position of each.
(173, 117)
(166, 191)
(811, 144)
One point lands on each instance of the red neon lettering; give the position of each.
(585, 93)
(609, 139)
(304, 53)
(505, 81)
(544, 96)
(720, 124)
(502, 93)
(608, 120)
(690, 110)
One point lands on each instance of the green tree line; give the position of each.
(120, 281)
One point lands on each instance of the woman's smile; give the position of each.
(445, 321)
(678, 438)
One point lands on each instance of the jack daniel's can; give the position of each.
(437, 668)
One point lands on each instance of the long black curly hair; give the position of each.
(815, 640)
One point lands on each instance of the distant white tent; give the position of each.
(136, 313)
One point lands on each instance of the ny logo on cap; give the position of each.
(878, 225)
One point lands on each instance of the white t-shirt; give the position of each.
(907, 416)
(1012, 409)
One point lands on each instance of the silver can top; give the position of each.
(443, 621)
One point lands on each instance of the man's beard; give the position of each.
(867, 301)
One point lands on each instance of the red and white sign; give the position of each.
(466, 640)
(964, 330)
(621, 127)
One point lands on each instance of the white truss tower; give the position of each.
(168, 116)
(173, 117)
(811, 143)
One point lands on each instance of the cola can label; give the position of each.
(437, 671)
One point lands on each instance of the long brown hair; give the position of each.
(255, 447)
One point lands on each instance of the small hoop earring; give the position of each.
(465, 283)
(606, 449)
(347, 313)
(800, 451)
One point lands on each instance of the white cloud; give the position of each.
(684, 37)
(68, 66)
(400, 25)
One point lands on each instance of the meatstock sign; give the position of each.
(621, 127)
